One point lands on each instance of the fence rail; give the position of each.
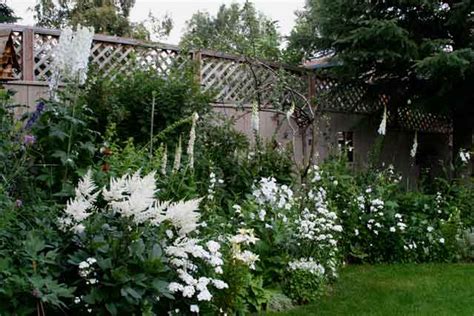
(234, 79)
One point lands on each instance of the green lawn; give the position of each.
(425, 289)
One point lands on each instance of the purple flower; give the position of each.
(18, 203)
(35, 116)
(29, 140)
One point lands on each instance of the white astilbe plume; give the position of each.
(415, 145)
(255, 118)
(192, 139)
(79, 207)
(132, 196)
(164, 160)
(182, 215)
(383, 123)
(177, 156)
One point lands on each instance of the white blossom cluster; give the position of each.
(319, 224)
(79, 207)
(132, 196)
(307, 264)
(465, 156)
(213, 181)
(87, 270)
(192, 140)
(71, 55)
(182, 252)
(245, 237)
(268, 192)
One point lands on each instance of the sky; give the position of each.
(181, 10)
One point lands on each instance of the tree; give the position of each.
(418, 53)
(6, 14)
(105, 16)
(237, 29)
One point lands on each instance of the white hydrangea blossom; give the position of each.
(307, 264)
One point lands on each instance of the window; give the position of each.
(345, 144)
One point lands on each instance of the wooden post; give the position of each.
(28, 60)
(197, 58)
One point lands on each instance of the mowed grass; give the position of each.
(424, 289)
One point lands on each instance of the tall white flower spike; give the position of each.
(192, 139)
(383, 123)
(415, 145)
(255, 118)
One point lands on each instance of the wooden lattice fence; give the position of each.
(235, 80)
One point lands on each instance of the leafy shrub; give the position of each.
(126, 100)
(304, 281)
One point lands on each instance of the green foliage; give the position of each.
(235, 29)
(105, 16)
(7, 15)
(65, 143)
(303, 286)
(126, 100)
(30, 260)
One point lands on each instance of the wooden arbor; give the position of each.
(8, 58)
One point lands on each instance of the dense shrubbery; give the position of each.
(190, 217)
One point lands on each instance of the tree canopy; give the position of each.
(7, 15)
(416, 52)
(105, 16)
(238, 29)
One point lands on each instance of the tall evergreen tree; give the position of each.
(416, 52)
(7, 15)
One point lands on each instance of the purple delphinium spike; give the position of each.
(35, 116)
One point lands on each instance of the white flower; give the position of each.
(219, 284)
(383, 123)
(393, 229)
(255, 118)
(177, 156)
(77, 300)
(164, 160)
(83, 265)
(464, 155)
(91, 260)
(415, 145)
(237, 208)
(188, 291)
(356, 232)
(247, 257)
(441, 240)
(213, 246)
(429, 229)
(307, 265)
(192, 139)
(204, 295)
(182, 215)
(261, 214)
(194, 309)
